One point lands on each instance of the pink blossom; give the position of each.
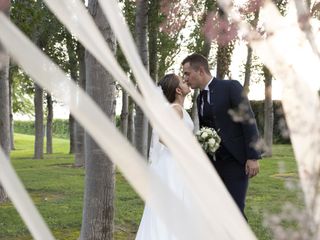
(175, 15)
(251, 6)
(219, 29)
(4, 5)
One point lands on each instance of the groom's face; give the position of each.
(191, 76)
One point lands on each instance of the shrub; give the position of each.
(60, 127)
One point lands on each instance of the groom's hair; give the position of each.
(169, 84)
(196, 60)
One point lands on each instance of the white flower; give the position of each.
(211, 143)
(208, 139)
(208, 131)
(204, 135)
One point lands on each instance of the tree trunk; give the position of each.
(49, 124)
(71, 134)
(98, 211)
(153, 27)
(205, 46)
(224, 57)
(10, 111)
(247, 74)
(4, 109)
(12, 146)
(124, 113)
(153, 22)
(73, 69)
(141, 122)
(79, 148)
(268, 113)
(131, 124)
(38, 107)
(39, 131)
(141, 132)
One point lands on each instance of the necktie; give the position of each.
(204, 100)
(205, 96)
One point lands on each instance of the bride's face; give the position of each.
(185, 89)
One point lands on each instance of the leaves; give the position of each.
(42, 27)
(315, 10)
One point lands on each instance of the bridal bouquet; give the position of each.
(208, 139)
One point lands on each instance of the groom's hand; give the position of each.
(252, 168)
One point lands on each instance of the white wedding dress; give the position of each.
(151, 227)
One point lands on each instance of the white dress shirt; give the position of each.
(208, 96)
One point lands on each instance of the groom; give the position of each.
(236, 159)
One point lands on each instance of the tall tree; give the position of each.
(11, 109)
(247, 73)
(22, 90)
(226, 40)
(4, 100)
(73, 69)
(43, 28)
(253, 18)
(141, 122)
(153, 28)
(201, 34)
(126, 116)
(79, 144)
(165, 36)
(32, 18)
(71, 134)
(49, 123)
(124, 113)
(38, 123)
(39, 37)
(98, 211)
(131, 130)
(39, 130)
(36, 21)
(203, 46)
(268, 112)
(268, 103)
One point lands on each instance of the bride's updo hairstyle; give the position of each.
(169, 84)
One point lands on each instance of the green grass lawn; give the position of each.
(57, 190)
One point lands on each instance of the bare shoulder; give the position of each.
(177, 108)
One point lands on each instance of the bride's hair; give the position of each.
(169, 84)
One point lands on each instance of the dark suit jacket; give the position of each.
(238, 133)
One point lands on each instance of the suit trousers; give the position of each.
(233, 175)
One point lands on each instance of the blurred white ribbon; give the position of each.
(215, 213)
(291, 56)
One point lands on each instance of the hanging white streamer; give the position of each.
(204, 182)
(76, 18)
(290, 57)
(144, 180)
(300, 100)
(195, 166)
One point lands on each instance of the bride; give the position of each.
(151, 227)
